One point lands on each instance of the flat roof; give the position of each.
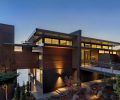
(101, 40)
(69, 35)
(6, 24)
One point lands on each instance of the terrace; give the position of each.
(103, 69)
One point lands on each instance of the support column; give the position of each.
(76, 55)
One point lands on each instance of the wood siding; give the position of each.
(17, 60)
(57, 63)
(26, 59)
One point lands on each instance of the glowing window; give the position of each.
(63, 42)
(48, 40)
(105, 47)
(98, 46)
(55, 41)
(34, 72)
(69, 43)
(110, 47)
(41, 76)
(114, 52)
(40, 57)
(82, 44)
(38, 74)
(111, 52)
(93, 46)
(101, 51)
(87, 45)
(107, 52)
(18, 48)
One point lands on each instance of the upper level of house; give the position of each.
(46, 37)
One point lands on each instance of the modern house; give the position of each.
(63, 54)
(51, 56)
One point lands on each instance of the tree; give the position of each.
(17, 93)
(23, 94)
(28, 88)
(118, 85)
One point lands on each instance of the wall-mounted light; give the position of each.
(59, 81)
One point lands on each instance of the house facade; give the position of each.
(51, 56)
(72, 54)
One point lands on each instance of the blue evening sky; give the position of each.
(96, 18)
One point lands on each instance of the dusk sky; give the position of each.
(96, 18)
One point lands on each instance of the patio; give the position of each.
(67, 93)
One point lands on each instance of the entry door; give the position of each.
(87, 57)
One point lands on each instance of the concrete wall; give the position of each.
(90, 76)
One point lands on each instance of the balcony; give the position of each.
(104, 68)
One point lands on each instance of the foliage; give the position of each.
(23, 94)
(7, 77)
(28, 88)
(118, 85)
(68, 81)
(17, 93)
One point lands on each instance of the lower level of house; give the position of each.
(57, 63)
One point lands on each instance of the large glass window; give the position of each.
(114, 52)
(105, 47)
(39, 75)
(110, 47)
(87, 45)
(111, 52)
(55, 41)
(40, 57)
(85, 57)
(18, 48)
(93, 46)
(82, 44)
(51, 41)
(101, 51)
(48, 40)
(82, 57)
(107, 52)
(69, 43)
(63, 42)
(98, 46)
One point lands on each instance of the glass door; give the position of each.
(87, 57)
